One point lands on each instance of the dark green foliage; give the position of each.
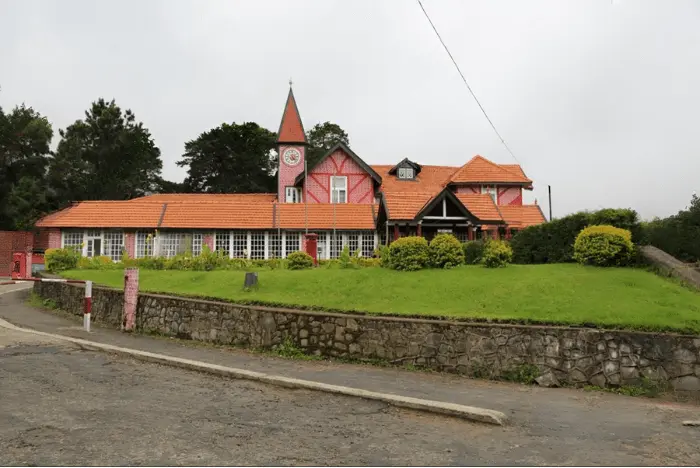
(553, 242)
(25, 137)
(299, 261)
(106, 156)
(677, 235)
(524, 373)
(321, 138)
(445, 251)
(382, 253)
(231, 158)
(409, 253)
(473, 251)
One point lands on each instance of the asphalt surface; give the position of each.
(60, 405)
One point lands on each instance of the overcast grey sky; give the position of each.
(598, 98)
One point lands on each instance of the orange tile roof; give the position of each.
(481, 206)
(105, 214)
(480, 170)
(217, 215)
(208, 197)
(406, 205)
(291, 129)
(322, 216)
(522, 216)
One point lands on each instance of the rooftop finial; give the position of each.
(290, 82)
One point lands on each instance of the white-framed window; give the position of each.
(113, 245)
(274, 245)
(222, 243)
(339, 189)
(239, 244)
(368, 243)
(462, 235)
(292, 242)
(73, 239)
(144, 244)
(336, 244)
(257, 245)
(491, 190)
(169, 243)
(93, 245)
(197, 241)
(405, 173)
(292, 195)
(354, 242)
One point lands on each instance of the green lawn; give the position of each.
(561, 293)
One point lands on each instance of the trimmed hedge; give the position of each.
(603, 246)
(409, 254)
(553, 242)
(61, 259)
(299, 261)
(445, 251)
(497, 254)
(677, 235)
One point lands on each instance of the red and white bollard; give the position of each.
(88, 305)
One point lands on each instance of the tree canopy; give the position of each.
(231, 158)
(25, 136)
(108, 155)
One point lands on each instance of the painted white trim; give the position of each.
(266, 246)
(459, 218)
(331, 189)
(444, 208)
(248, 245)
(283, 250)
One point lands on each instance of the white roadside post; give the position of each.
(88, 305)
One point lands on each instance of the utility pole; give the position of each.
(549, 189)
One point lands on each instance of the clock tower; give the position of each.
(291, 144)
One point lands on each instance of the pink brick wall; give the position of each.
(209, 241)
(287, 174)
(340, 164)
(54, 239)
(468, 189)
(507, 195)
(131, 294)
(130, 244)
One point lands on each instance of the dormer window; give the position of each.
(406, 173)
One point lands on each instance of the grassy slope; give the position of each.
(562, 293)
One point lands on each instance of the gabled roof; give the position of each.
(105, 214)
(342, 146)
(481, 170)
(481, 206)
(522, 216)
(450, 196)
(291, 129)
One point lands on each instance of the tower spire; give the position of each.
(291, 129)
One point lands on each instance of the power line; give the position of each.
(466, 83)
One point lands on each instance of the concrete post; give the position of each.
(131, 294)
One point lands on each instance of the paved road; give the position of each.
(63, 405)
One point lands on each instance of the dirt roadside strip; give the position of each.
(471, 413)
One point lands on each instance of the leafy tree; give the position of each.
(678, 235)
(161, 185)
(231, 158)
(107, 155)
(321, 138)
(25, 136)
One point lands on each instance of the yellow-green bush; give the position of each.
(496, 254)
(409, 253)
(61, 259)
(97, 263)
(299, 261)
(603, 245)
(445, 251)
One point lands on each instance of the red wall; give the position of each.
(507, 194)
(339, 163)
(13, 241)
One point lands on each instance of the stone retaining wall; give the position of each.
(570, 355)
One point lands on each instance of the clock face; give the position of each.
(291, 156)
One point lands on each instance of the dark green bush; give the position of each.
(603, 246)
(677, 235)
(61, 259)
(445, 251)
(299, 261)
(409, 253)
(497, 254)
(553, 242)
(382, 253)
(473, 251)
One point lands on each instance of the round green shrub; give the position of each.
(603, 245)
(496, 254)
(382, 254)
(299, 261)
(61, 259)
(445, 251)
(473, 251)
(409, 253)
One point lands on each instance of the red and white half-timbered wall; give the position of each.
(359, 182)
(507, 194)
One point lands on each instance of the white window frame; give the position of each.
(406, 173)
(113, 245)
(73, 236)
(338, 190)
(143, 247)
(491, 190)
(197, 244)
(292, 194)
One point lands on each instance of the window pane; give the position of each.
(274, 245)
(409, 173)
(257, 245)
(291, 242)
(197, 241)
(223, 243)
(240, 244)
